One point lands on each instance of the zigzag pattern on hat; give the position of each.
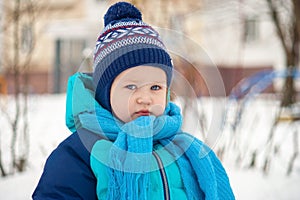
(124, 42)
(124, 36)
(124, 24)
(125, 31)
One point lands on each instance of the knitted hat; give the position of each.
(125, 42)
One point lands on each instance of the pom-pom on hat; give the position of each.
(125, 42)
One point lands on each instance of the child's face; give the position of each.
(139, 91)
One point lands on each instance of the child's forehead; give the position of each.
(143, 73)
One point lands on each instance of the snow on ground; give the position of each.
(47, 129)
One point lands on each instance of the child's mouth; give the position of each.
(143, 113)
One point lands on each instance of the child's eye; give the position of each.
(131, 87)
(155, 87)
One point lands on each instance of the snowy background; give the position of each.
(47, 130)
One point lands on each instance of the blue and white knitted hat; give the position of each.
(125, 42)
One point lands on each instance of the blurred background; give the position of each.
(236, 80)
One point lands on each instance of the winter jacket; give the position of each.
(72, 172)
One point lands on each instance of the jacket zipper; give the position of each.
(163, 176)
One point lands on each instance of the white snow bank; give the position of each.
(47, 130)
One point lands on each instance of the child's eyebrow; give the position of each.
(137, 81)
(157, 82)
(160, 82)
(130, 81)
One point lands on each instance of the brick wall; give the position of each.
(38, 82)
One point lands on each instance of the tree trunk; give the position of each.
(292, 56)
(289, 93)
(16, 76)
(291, 49)
(292, 61)
(3, 173)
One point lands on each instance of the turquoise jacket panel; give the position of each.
(174, 180)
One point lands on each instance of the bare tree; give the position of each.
(18, 30)
(286, 18)
(287, 24)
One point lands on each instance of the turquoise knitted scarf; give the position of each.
(132, 148)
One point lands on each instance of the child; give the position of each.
(127, 141)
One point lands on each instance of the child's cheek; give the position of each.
(158, 109)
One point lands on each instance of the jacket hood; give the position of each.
(79, 98)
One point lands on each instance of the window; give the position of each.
(68, 58)
(27, 38)
(251, 30)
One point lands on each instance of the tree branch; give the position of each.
(278, 27)
(297, 14)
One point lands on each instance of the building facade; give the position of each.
(54, 40)
(235, 39)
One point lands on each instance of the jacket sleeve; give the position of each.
(67, 173)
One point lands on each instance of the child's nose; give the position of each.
(143, 98)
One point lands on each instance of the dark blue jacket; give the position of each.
(67, 173)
